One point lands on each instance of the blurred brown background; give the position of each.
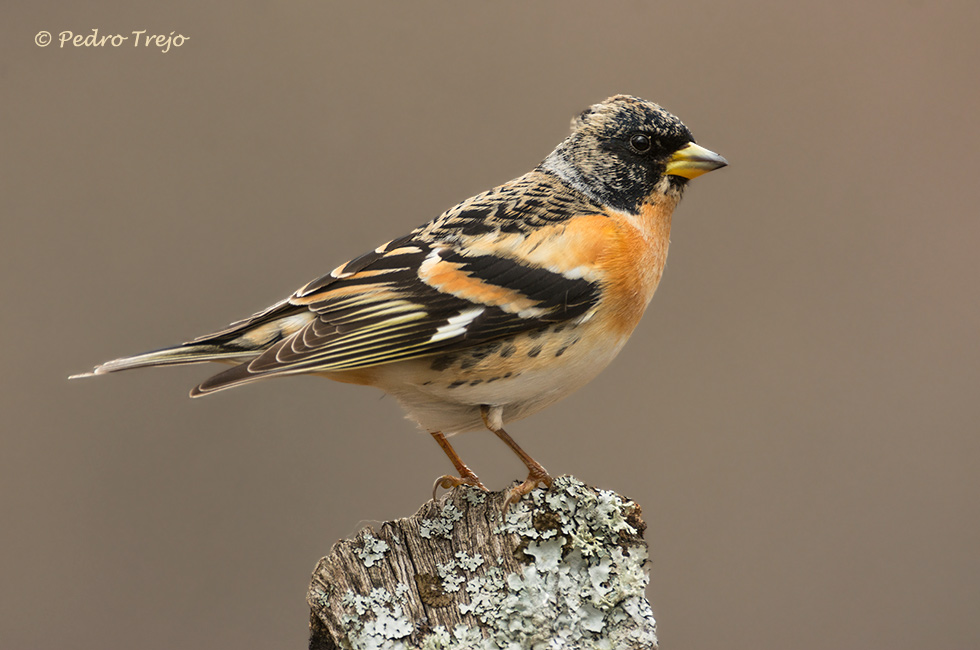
(798, 413)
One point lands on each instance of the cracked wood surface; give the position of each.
(563, 566)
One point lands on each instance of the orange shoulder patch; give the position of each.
(448, 277)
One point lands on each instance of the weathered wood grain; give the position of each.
(565, 568)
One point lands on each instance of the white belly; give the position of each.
(522, 375)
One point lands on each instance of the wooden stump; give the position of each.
(565, 568)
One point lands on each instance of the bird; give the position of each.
(497, 308)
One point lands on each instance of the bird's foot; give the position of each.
(449, 482)
(536, 477)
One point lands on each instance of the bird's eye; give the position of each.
(640, 142)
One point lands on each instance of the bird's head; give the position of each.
(626, 150)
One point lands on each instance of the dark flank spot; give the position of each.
(558, 328)
(479, 354)
(508, 375)
(475, 382)
(426, 383)
(535, 351)
(561, 350)
(491, 347)
(442, 362)
(456, 384)
(533, 334)
(508, 351)
(493, 379)
(482, 352)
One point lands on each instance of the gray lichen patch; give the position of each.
(453, 573)
(462, 638)
(475, 497)
(469, 563)
(373, 550)
(450, 578)
(565, 568)
(378, 621)
(443, 525)
(579, 588)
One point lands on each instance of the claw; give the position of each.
(466, 475)
(537, 477)
(449, 482)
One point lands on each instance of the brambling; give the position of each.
(497, 308)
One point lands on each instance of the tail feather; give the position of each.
(238, 343)
(225, 379)
(173, 356)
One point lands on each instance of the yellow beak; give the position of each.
(693, 160)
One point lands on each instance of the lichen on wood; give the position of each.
(564, 568)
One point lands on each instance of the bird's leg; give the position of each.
(466, 475)
(536, 474)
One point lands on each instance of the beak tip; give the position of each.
(694, 160)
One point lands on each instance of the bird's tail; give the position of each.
(238, 343)
(172, 356)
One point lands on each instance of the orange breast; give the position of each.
(633, 262)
